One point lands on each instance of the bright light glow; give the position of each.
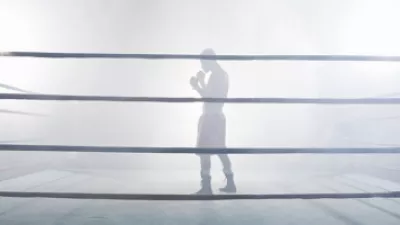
(371, 28)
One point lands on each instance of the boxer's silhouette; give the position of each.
(212, 123)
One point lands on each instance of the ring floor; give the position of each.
(37, 211)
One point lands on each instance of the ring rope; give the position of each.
(12, 88)
(22, 113)
(185, 197)
(45, 97)
(192, 150)
(206, 57)
(20, 140)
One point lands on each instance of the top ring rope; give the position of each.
(376, 58)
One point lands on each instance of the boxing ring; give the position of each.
(6, 147)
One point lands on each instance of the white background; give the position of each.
(188, 26)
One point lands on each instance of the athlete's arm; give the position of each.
(202, 91)
(201, 76)
(198, 84)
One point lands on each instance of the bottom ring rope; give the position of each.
(185, 197)
(191, 150)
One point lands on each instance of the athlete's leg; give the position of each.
(205, 159)
(226, 164)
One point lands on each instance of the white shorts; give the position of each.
(211, 131)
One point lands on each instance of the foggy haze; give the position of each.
(187, 27)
